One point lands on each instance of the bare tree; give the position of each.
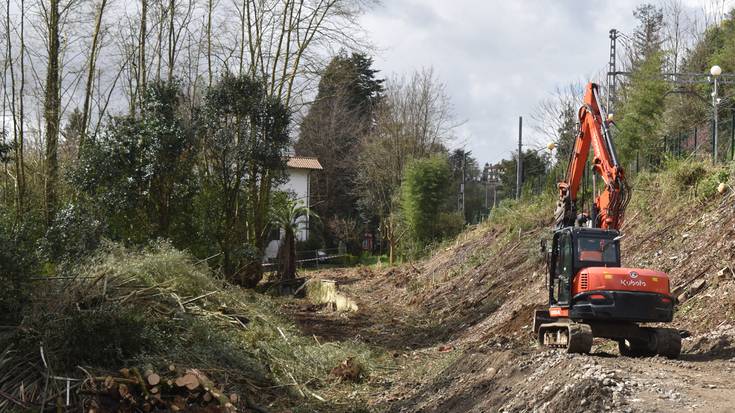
(16, 106)
(415, 120)
(713, 11)
(280, 36)
(176, 29)
(51, 111)
(91, 68)
(210, 10)
(675, 32)
(548, 117)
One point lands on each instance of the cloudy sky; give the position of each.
(498, 58)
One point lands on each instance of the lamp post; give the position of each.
(715, 71)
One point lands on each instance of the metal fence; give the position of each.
(311, 259)
(697, 141)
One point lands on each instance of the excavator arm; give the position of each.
(609, 207)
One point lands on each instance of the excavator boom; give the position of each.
(609, 207)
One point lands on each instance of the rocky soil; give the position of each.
(458, 324)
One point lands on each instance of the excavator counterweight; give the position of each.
(590, 293)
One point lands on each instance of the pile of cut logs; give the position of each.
(149, 391)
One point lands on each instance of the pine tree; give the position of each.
(567, 134)
(641, 113)
(333, 128)
(647, 37)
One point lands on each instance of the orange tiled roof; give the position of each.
(304, 162)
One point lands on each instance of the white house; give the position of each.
(299, 169)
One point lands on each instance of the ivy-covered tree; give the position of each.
(245, 137)
(138, 172)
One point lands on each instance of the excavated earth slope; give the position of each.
(458, 324)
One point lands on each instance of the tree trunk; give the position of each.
(51, 111)
(90, 75)
(20, 174)
(171, 39)
(141, 51)
(390, 252)
(209, 42)
(288, 257)
(92, 62)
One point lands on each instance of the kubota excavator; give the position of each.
(590, 294)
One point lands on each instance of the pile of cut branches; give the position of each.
(176, 391)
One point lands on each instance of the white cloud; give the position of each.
(498, 58)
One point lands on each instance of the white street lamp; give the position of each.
(715, 71)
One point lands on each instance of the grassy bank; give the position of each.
(156, 307)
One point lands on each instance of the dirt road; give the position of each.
(439, 367)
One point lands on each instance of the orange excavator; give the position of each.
(590, 293)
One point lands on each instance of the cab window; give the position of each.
(564, 263)
(597, 250)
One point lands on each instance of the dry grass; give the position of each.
(157, 306)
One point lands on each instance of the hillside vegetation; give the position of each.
(464, 314)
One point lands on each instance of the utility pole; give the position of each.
(486, 178)
(519, 163)
(460, 196)
(612, 71)
(464, 176)
(494, 177)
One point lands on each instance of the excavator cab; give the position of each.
(591, 295)
(573, 249)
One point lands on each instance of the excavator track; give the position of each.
(574, 337)
(633, 340)
(664, 342)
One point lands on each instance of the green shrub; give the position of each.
(423, 190)
(74, 233)
(708, 185)
(18, 263)
(449, 224)
(116, 334)
(683, 175)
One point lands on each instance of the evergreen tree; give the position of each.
(138, 172)
(425, 186)
(647, 37)
(461, 164)
(567, 133)
(640, 117)
(244, 140)
(333, 129)
(533, 172)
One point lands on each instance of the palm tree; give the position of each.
(285, 215)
